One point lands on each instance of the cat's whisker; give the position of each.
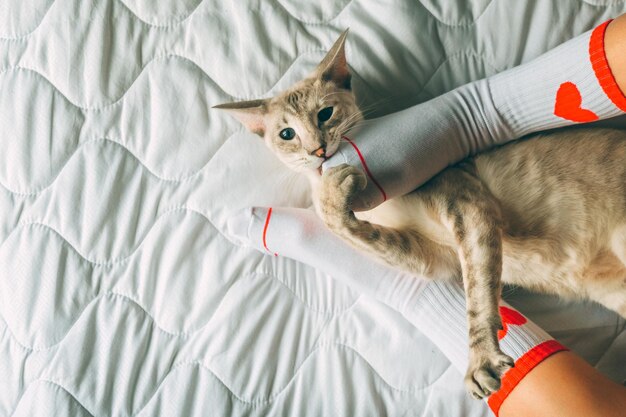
(368, 109)
(325, 96)
(351, 116)
(378, 102)
(332, 93)
(349, 121)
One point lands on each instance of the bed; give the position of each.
(120, 295)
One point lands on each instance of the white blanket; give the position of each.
(119, 295)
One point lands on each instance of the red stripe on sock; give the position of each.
(367, 170)
(523, 366)
(601, 67)
(267, 223)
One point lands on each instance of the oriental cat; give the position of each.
(547, 213)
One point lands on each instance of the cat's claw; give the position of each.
(484, 374)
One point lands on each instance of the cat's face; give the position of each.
(304, 124)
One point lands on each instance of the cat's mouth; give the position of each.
(323, 159)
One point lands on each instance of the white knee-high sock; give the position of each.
(569, 84)
(435, 308)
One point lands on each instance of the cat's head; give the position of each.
(304, 124)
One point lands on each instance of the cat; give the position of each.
(547, 213)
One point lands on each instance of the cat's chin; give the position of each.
(314, 176)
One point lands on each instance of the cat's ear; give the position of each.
(334, 66)
(250, 113)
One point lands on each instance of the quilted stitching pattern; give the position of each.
(118, 293)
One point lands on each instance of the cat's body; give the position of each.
(559, 200)
(546, 213)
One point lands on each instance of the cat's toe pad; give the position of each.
(484, 374)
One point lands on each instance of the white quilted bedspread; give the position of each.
(119, 296)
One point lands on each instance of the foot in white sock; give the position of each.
(570, 84)
(299, 234)
(435, 308)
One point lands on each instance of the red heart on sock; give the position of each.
(567, 104)
(509, 316)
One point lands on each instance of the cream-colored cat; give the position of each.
(547, 213)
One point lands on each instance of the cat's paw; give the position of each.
(339, 186)
(343, 182)
(485, 371)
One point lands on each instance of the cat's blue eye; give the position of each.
(287, 134)
(325, 114)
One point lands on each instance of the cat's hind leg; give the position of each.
(608, 291)
(605, 280)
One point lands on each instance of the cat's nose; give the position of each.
(320, 152)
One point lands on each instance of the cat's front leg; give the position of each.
(402, 248)
(338, 186)
(472, 214)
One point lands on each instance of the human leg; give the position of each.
(565, 385)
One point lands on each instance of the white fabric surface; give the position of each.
(119, 295)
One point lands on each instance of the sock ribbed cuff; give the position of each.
(600, 65)
(526, 363)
